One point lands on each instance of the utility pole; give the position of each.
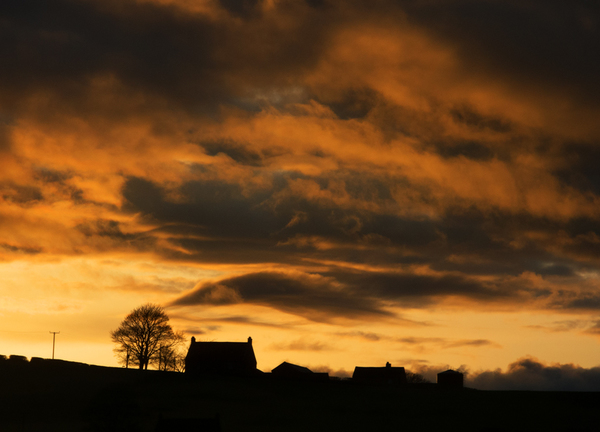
(53, 340)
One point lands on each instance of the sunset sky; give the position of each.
(349, 182)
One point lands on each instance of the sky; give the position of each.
(347, 182)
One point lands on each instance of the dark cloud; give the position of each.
(5, 133)
(243, 155)
(301, 345)
(105, 228)
(470, 343)
(581, 172)
(444, 343)
(469, 149)
(243, 8)
(306, 295)
(224, 213)
(585, 301)
(373, 337)
(240, 319)
(471, 118)
(536, 42)
(348, 294)
(245, 61)
(497, 237)
(352, 103)
(525, 374)
(317, 3)
(19, 194)
(341, 292)
(217, 221)
(217, 208)
(201, 63)
(530, 374)
(556, 270)
(62, 46)
(420, 340)
(46, 175)
(193, 331)
(20, 249)
(419, 290)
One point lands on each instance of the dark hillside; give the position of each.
(60, 396)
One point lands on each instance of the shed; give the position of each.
(450, 379)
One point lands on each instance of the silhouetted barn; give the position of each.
(298, 373)
(450, 378)
(380, 375)
(188, 425)
(225, 358)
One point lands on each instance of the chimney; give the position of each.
(193, 339)
(250, 340)
(388, 365)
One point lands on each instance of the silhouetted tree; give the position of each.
(171, 354)
(141, 335)
(415, 378)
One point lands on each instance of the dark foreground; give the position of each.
(56, 396)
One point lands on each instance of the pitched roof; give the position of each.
(290, 368)
(450, 372)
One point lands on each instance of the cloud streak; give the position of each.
(311, 296)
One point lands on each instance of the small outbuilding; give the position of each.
(380, 375)
(224, 358)
(294, 372)
(450, 379)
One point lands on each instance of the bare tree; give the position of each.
(415, 378)
(171, 354)
(141, 335)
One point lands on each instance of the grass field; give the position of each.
(58, 396)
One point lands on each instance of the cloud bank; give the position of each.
(532, 375)
(344, 159)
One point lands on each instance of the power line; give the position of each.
(53, 340)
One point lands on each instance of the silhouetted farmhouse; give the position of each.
(225, 358)
(380, 375)
(450, 378)
(298, 373)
